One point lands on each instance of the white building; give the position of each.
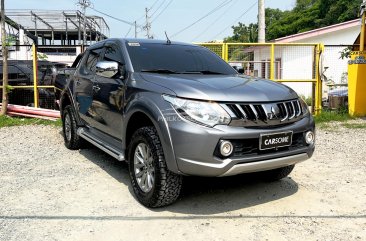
(296, 63)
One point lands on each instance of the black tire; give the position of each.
(167, 185)
(277, 174)
(71, 138)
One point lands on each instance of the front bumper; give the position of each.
(228, 169)
(194, 147)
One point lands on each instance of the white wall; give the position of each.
(297, 62)
(331, 56)
(23, 52)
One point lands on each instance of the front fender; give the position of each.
(152, 105)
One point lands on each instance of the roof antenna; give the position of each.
(167, 39)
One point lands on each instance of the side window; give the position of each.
(112, 53)
(92, 59)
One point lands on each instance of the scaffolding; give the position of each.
(57, 27)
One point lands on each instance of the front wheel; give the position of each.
(153, 184)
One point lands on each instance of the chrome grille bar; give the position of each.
(293, 109)
(242, 111)
(255, 112)
(286, 112)
(298, 106)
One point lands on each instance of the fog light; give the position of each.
(226, 148)
(309, 138)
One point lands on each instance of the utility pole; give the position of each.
(135, 29)
(148, 24)
(84, 4)
(261, 22)
(5, 100)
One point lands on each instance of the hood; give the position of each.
(223, 88)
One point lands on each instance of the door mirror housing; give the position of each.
(107, 69)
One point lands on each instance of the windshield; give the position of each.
(172, 58)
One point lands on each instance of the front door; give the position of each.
(108, 98)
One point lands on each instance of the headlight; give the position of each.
(304, 106)
(206, 113)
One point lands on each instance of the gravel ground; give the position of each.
(48, 192)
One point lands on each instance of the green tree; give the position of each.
(306, 15)
(243, 33)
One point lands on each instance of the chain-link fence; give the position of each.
(27, 62)
(295, 65)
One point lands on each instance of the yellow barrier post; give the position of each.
(225, 48)
(318, 84)
(272, 69)
(35, 75)
(223, 51)
(356, 77)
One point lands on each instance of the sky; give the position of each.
(175, 20)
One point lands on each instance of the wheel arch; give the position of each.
(147, 113)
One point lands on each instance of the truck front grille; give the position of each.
(264, 114)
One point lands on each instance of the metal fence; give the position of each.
(32, 73)
(334, 74)
(295, 65)
(30, 83)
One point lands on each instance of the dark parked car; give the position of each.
(337, 98)
(20, 73)
(171, 109)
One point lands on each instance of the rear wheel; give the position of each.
(277, 174)
(69, 127)
(153, 184)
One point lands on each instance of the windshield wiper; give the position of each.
(159, 71)
(199, 72)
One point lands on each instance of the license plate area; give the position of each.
(275, 140)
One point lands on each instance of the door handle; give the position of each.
(96, 88)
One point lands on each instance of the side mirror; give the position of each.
(107, 69)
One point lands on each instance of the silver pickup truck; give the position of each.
(172, 109)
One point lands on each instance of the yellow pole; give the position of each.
(272, 73)
(35, 75)
(223, 51)
(362, 37)
(226, 52)
(318, 85)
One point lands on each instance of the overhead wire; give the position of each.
(143, 16)
(115, 18)
(162, 11)
(128, 31)
(215, 21)
(154, 4)
(161, 4)
(237, 19)
(203, 17)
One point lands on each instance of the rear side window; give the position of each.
(92, 59)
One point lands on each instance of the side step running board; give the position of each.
(100, 144)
